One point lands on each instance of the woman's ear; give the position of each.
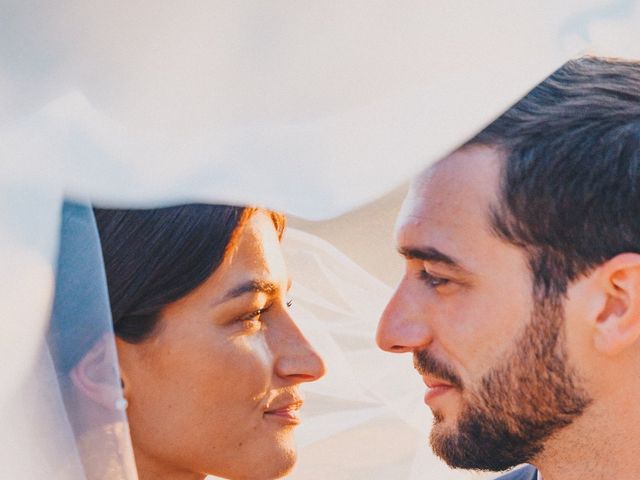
(618, 324)
(96, 375)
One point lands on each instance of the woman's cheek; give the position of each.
(259, 356)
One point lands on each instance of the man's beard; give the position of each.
(520, 403)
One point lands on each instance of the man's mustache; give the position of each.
(427, 364)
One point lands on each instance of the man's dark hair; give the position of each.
(570, 183)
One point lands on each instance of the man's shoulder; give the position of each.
(524, 473)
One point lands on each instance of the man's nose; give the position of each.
(404, 324)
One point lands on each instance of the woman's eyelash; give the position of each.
(257, 313)
(432, 280)
(260, 311)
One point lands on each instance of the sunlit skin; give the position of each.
(214, 390)
(455, 272)
(466, 296)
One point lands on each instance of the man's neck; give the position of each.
(600, 445)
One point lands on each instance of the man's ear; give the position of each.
(96, 375)
(618, 324)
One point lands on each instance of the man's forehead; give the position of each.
(443, 171)
(472, 165)
(457, 189)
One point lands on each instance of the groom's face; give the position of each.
(493, 358)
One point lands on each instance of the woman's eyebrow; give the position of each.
(267, 287)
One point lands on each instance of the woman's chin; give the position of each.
(268, 463)
(280, 462)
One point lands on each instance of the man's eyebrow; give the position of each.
(431, 254)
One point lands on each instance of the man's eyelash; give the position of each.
(432, 280)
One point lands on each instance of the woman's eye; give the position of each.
(255, 315)
(289, 303)
(433, 281)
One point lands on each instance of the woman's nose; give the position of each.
(297, 360)
(404, 326)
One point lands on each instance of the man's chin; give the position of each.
(443, 443)
(444, 424)
(458, 450)
(444, 438)
(469, 451)
(447, 446)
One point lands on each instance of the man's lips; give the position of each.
(435, 388)
(433, 382)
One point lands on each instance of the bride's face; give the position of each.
(214, 389)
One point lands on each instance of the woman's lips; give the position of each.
(286, 413)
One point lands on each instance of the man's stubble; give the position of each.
(520, 403)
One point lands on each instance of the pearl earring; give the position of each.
(121, 404)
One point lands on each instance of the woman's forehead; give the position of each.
(257, 251)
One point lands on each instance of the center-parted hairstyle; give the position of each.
(570, 182)
(154, 257)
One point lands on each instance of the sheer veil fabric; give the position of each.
(366, 419)
(311, 108)
(56, 427)
(81, 328)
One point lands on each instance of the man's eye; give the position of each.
(433, 281)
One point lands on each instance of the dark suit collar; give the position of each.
(527, 472)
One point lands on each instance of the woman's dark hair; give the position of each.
(570, 183)
(154, 257)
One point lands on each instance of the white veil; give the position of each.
(311, 108)
(52, 428)
(367, 416)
